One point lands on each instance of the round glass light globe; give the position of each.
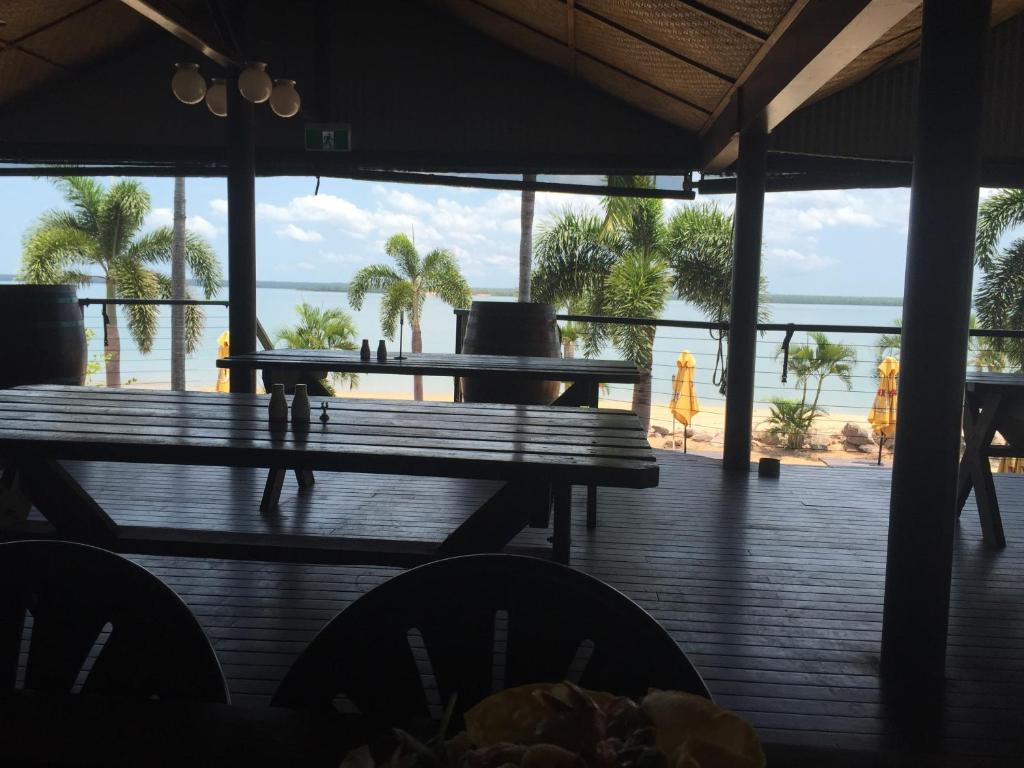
(284, 99)
(188, 85)
(254, 82)
(217, 97)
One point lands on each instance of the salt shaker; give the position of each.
(300, 407)
(364, 352)
(382, 352)
(278, 406)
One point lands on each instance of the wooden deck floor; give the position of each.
(773, 587)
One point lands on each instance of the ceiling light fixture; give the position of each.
(254, 83)
(217, 97)
(188, 85)
(284, 99)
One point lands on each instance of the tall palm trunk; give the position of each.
(526, 238)
(178, 288)
(112, 338)
(417, 346)
(642, 397)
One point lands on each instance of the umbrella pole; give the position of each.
(881, 442)
(684, 438)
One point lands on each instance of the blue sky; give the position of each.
(849, 242)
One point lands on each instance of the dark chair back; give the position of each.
(72, 591)
(555, 618)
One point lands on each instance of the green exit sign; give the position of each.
(327, 138)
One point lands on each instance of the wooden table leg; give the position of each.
(65, 504)
(976, 472)
(562, 539)
(498, 520)
(272, 491)
(584, 393)
(305, 479)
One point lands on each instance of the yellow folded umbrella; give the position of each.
(882, 415)
(684, 403)
(224, 350)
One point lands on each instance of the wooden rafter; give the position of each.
(166, 16)
(815, 41)
(589, 56)
(734, 24)
(651, 43)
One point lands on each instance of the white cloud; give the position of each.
(163, 217)
(792, 259)
(342, 258)
(292, 232)
(219, 206)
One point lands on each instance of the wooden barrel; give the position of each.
(510, 328)
(44, 336)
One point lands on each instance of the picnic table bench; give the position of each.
(538, 452)
(583, 375)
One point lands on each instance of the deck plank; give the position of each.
(774, 587)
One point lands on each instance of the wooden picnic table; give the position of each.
(993, 402)
(539, 452)
(584, 376)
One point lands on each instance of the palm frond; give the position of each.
(699, 249)
(154, 247)
(122, 212)
(86, 196)
(996, 215)
(638, 286)
(202, 262)
(320, 328)
(52, 251)
(441, 276)
(401, 249)
(1000, 301)
(135, 281)
(376, 277)
(398, 297)
(571, 259)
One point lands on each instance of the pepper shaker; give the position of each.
(382, 352)
(364, 352)
(300, 407)
(278, 410)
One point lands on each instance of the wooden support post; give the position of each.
(241, 233)
(936, 311)
(746, 285)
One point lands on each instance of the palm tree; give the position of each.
(406, 288)
(526, 237)
(830, 359)
(699, 246)
(624, 263)
(321, 328)
(612, 265)
(1000, 294)
(102, 230)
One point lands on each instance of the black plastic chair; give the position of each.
(155, 646)
(554, 617)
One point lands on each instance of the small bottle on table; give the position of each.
(278, 410)
(300, 407)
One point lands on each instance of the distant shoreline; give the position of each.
(773, 298)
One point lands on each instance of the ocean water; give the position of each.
(276, 310)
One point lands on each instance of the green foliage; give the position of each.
(996, 215)
(699, 246)
(625, 263)
(1000, 294)
(820, 361)
(1000, 303)
(790, 421)
(322, 328)
(406, 288)
(102, 230)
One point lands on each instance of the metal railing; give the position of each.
(839, 428)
